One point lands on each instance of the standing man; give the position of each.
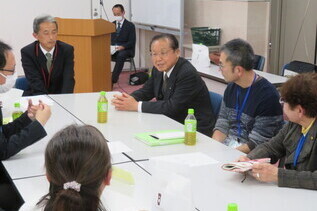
(123, 40)
(175, 84)
(48, 63)
(250, 113)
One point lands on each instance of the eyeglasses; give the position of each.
(6, 70)
(162, 54)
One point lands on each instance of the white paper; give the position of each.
(200, 56)
(169, 135)
(113, 49)
(117, 147)
(189, 159)
(35, 100)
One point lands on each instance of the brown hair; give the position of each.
(81, 154)
(301, 90)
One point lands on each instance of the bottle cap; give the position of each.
(232, 207)
(191, 111)
(17, 105)
(103, 93)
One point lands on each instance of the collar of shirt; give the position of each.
(169, 72)
(305, 130)
(45, 51)
(121, 22)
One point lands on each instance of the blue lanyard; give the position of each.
(299, 148)
(239, 110)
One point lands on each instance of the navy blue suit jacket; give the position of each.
(126, 37)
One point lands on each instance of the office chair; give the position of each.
(258, 62)
(21, 83)
(215, 100)
(296, 67)
(132, 64)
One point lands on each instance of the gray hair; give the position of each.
(239, 53)
(41, 19)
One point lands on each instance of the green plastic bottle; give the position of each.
(102, 108)
(190, 128)
(17, 111)
(232, 207)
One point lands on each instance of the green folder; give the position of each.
(151, 141)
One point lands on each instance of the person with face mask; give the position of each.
(27, 129)
(124, 39)
(22, 132)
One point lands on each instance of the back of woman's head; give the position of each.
(77, 162)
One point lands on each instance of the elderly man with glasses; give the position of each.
(175, 84)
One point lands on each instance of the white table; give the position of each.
(214, 188)
(118, 196)
(123, 125)
(30, 161)
(216, 83)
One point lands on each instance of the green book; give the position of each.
(163, 137)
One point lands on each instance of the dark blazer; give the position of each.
(126, 37)
(185, 89)
(61, 77)
(19, 134)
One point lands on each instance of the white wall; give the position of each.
(16, 18)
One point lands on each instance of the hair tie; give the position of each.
(72, 185)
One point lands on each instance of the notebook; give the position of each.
(159, 138)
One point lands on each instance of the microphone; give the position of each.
(102, 7)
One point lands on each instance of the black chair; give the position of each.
(21, 83)
(296, 67)
(132, 64)
(258, 62)
(215, 100)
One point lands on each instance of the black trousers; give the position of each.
(119, 57)
(10, 198)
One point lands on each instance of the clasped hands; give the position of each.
(264, 172)
(124, 102)
(40, 112)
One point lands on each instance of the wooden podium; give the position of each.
(91, 39)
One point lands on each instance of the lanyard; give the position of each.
(238, 109)
(299, 148)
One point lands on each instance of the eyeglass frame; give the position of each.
(161, 54)
(6, 70)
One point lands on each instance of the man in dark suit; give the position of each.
(176, 86)
(20, 133)
(123, 40)
(48, 64)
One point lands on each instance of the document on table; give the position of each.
(188, 159)
(117, 147)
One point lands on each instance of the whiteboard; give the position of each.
(161, 13)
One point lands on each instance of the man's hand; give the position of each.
(119, 48)
(32, 109)
(244, 148)
(265, 172)
(43, 113)
(124, 102)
